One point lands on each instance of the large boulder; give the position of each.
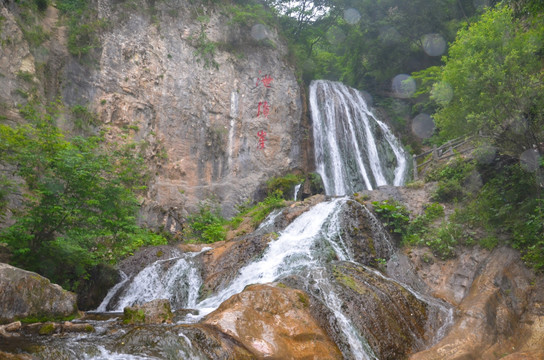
(24, 294)
(499, 305)
(274, 322)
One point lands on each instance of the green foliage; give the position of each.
(250, 14)
(83, 26)
(265, 207)
(394, 215)
(80, 206)
(41, 5)
(508, 209)
(6, 188)
(84, 119)
(206, 225)
(529, 235)
(442, 240)
(35, 35)
(205, 50)
(496, 78)
(133, 316)
(258, 212)
(284, 184)
(25, 76)
(451, 177)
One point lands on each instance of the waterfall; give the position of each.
(176, 279)
(295, 194)
(354, 150)
(292, 251)
(303, 250)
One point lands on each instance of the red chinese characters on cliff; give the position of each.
(263, 109)
(266, 80)
(262, 138)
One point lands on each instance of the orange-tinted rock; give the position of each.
(501, 314)
(526, 355)
(222, 263)
(274, 322)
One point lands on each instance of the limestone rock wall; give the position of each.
(198, 110)
(185, 80)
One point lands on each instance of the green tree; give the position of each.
(495, 74)
(80, 205)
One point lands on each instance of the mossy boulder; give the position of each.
(26, 296)
(153, 312)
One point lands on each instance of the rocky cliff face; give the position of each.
(196, 87)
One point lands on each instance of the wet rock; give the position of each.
(153, 312)
(364, 235)
(10, 329)
(274, 322)
(222, 263)
(28, 295)
(146, 256)
(181, 342)
(68, 326)
(8, 356)
(391, 319)
(500, 313)
(290, 213)
(91, 292)
(49, 328)
(312, 185)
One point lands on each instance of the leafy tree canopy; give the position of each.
(80, 199)
(494, 74)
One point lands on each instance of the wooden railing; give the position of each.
(443, 152)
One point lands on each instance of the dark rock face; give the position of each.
(391, 318)
(27, 294)
(145, 256)
(365, 235)
(312, 185)
(92, 291)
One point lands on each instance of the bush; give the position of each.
(207, 225)
(394, 216)
(284, 184)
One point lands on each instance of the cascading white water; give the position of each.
(295, 193)
(353, 149)
(178, 283)
(292, 251)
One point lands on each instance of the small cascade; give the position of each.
(295, 194)
(103, 307)
(176, 279)
(290, 253)
(353, 149)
